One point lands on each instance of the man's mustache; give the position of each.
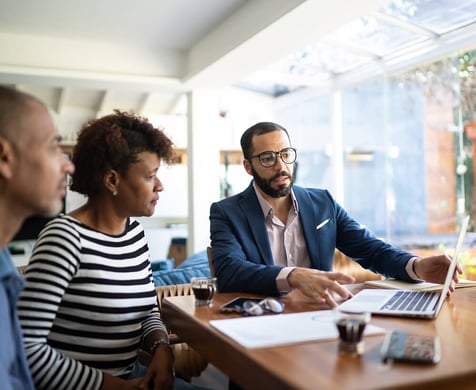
(282, 173)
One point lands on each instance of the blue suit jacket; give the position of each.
(242, 258)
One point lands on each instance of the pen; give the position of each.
(322, 223)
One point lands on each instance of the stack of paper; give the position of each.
(282, 329)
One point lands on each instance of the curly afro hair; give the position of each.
(113, 142)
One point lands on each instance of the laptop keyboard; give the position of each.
(409, 300)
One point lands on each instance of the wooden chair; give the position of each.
(188, 362)
(210, 264)
(343, 263)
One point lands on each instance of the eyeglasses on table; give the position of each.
(254, 308)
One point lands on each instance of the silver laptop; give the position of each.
(406, 303)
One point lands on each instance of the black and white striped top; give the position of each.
(88, 301)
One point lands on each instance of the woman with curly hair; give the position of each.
(89, 304)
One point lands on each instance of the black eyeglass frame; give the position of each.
(275, 154)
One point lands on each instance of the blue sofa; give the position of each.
(195, 265)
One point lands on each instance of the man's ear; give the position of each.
(247, 165)
(111, 180)
(6, 158)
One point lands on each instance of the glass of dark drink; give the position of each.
(350, 327)
(203, 288)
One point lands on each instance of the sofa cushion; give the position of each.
(195, 265)
(162, 265)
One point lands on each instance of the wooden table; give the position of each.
(318, 365)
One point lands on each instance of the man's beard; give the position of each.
(265, 185)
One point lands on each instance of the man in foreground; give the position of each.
(33, 172)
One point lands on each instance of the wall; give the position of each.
(217, 120)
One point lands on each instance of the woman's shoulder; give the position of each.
(69, 224)
(62, 223)
(64, 220)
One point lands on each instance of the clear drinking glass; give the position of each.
(203, 288)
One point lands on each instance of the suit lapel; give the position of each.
(254, 214)
(309, 218)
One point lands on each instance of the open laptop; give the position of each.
(406, 303)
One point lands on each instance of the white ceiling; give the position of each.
(95, 56)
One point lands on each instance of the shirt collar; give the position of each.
(266, 207)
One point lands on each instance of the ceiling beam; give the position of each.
(408, 26)
(92, 80)
(262, 32)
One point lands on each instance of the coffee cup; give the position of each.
(203, 288)
(350, 327)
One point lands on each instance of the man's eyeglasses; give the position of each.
(268, 159)
(253, 308)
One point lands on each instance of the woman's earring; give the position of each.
(114, 193)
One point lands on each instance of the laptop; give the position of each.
(406, 303)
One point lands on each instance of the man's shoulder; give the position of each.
(237, 197)
(320, 192)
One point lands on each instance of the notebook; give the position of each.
(406, 302)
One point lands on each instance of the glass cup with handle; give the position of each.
(203, 287)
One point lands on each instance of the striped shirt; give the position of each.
(89, 300)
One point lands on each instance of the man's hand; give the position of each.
(323, 287)
(434, 269)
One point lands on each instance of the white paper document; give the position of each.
(281, 329)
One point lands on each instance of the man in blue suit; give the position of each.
(275, 236)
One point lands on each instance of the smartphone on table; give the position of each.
(404, 347)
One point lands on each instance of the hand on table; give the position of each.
(321, 286)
